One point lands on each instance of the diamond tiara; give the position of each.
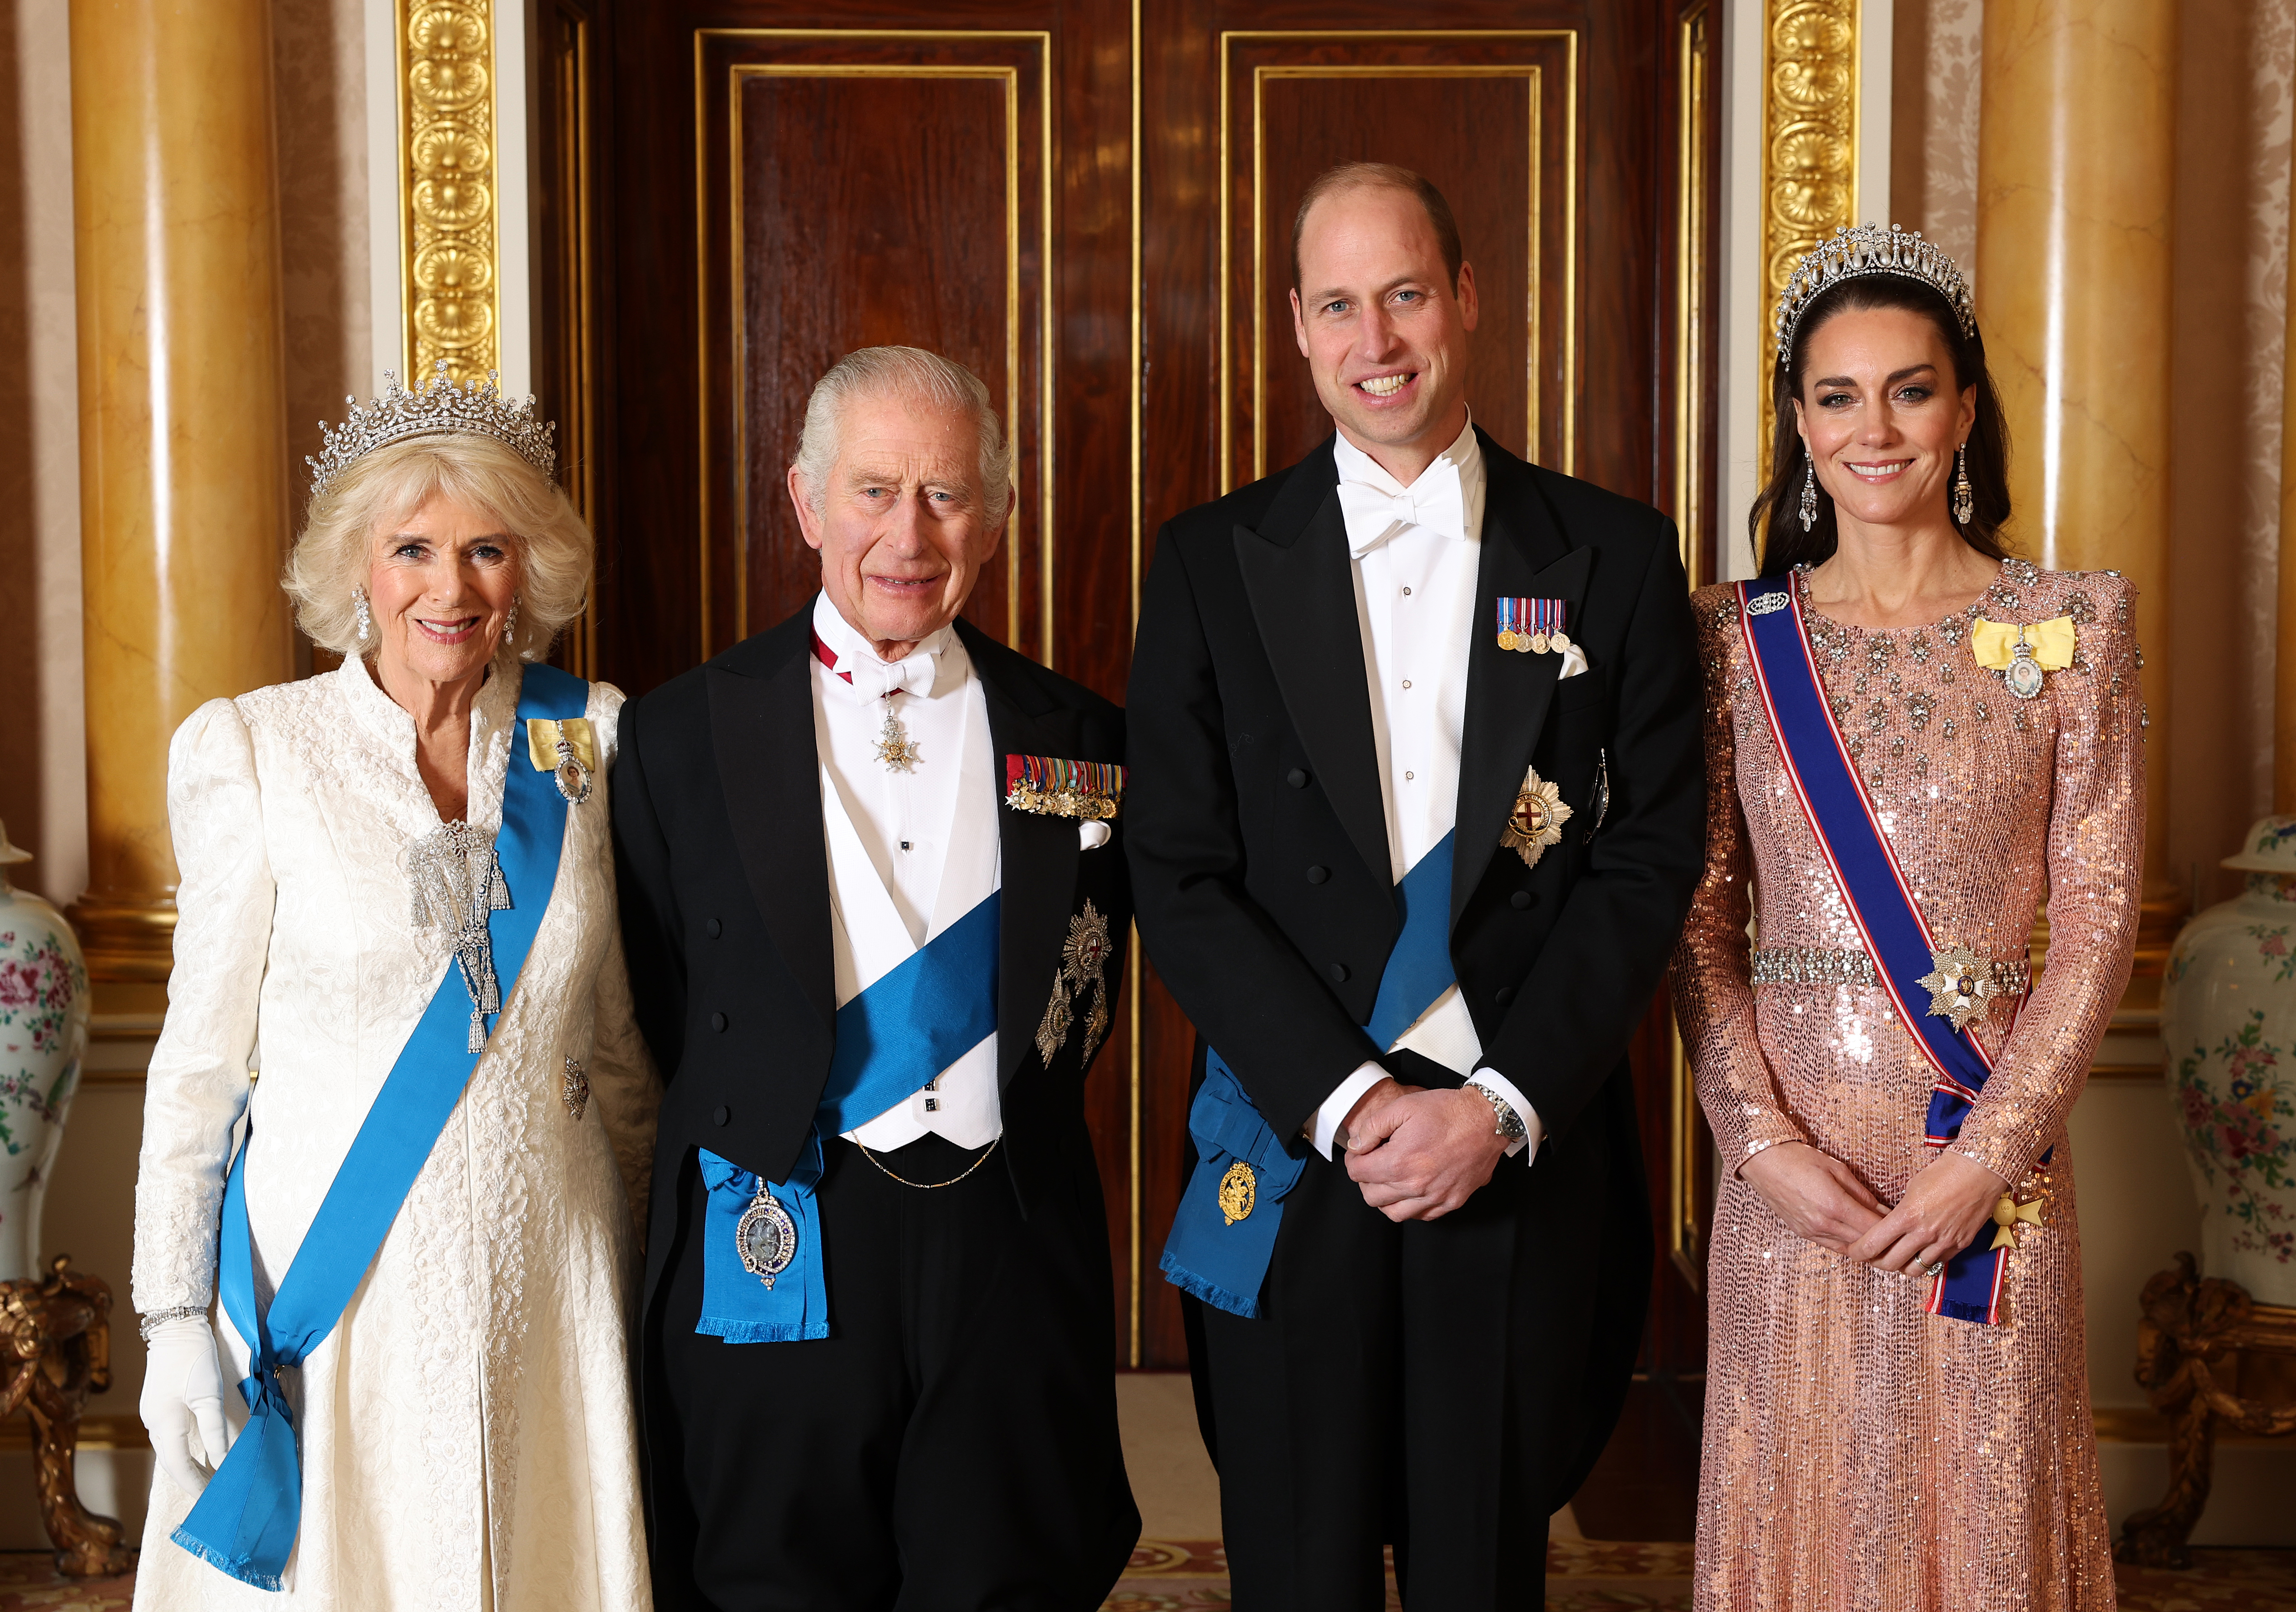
(1871, 250)
(439, 410)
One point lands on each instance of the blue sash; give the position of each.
(1222, 1256)
(1880, 902)
(246, 1518)
(892, 1039)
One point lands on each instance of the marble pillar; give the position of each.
(2076, 160)
(183, 496)
(2283, 677)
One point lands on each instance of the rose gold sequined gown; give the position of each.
(1861, 1454)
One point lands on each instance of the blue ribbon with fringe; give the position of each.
(1866, 869)
(246, 1519)
(891, 1040)
(1223, 1259)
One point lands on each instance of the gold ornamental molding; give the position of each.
(1810, 146)
(446, 186)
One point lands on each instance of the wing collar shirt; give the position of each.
(910, 851)
(1417, 551)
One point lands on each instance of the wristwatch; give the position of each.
(1510, 1122)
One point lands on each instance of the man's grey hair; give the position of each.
(919, 376)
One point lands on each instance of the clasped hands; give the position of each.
(1823, 1201)
(1419, 1152)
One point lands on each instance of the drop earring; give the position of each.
(366, 616)
(510, 623)
(1964, 501)
(1809, 492)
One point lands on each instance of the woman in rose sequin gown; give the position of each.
(1859, 1452)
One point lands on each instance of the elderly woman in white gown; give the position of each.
(397, 927)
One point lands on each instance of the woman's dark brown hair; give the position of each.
(1775, 522)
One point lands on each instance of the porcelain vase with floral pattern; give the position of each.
(44, 1005)
(2228, 1016)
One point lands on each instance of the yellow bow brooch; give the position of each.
(2021, 655)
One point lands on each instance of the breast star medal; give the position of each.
(1960, 985)
(576, 1091)
(1084, 967)
(1239, 1190)
(1536, 820)
(895, 748)
(766, 1237)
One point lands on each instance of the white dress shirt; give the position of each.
(910, 852)
(1417, 551)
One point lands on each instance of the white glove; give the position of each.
(182, 1405)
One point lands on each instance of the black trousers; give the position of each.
(1436, 1385)
(951, 1447)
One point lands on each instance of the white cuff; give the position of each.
(1336, 1107)
(1532, 1130)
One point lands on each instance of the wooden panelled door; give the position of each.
(1088, 203)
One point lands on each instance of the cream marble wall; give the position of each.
(2236, 83)
(318, 52)
(43, 792)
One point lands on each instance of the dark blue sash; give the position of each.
(246, 1519)
(1880, 902)
(892, 1039)
(1220, 1256)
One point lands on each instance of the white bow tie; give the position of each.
(1434, 502)
(874, 678)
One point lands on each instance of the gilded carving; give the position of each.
(1810, 124)
(447, 124)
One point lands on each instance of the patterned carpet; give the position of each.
(1592, 1575)
(1585, 1576)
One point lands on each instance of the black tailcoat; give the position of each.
(724, 886)
(1260, 861)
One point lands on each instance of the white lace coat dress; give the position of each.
(469, 1440)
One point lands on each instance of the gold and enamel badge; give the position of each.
(1083, 966)
(1536, 820)
(2008, 1214)
(1239, 1190)
(895, 748)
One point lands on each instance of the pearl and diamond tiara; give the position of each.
(1869, 249)
(441, 408)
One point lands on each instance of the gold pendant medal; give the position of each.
(1239, 1191)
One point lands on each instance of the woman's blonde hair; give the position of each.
(336, 550)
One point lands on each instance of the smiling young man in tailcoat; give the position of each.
(1416, 802)
(874, 901)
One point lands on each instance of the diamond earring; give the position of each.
(510, 623)
(1809, 492)
(1965, 500)
(366, 617)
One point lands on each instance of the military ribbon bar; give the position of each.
(1532, 626)
(1054, 788)
(1880, 902)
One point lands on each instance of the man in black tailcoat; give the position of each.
(1410, 652)
(874, 903)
